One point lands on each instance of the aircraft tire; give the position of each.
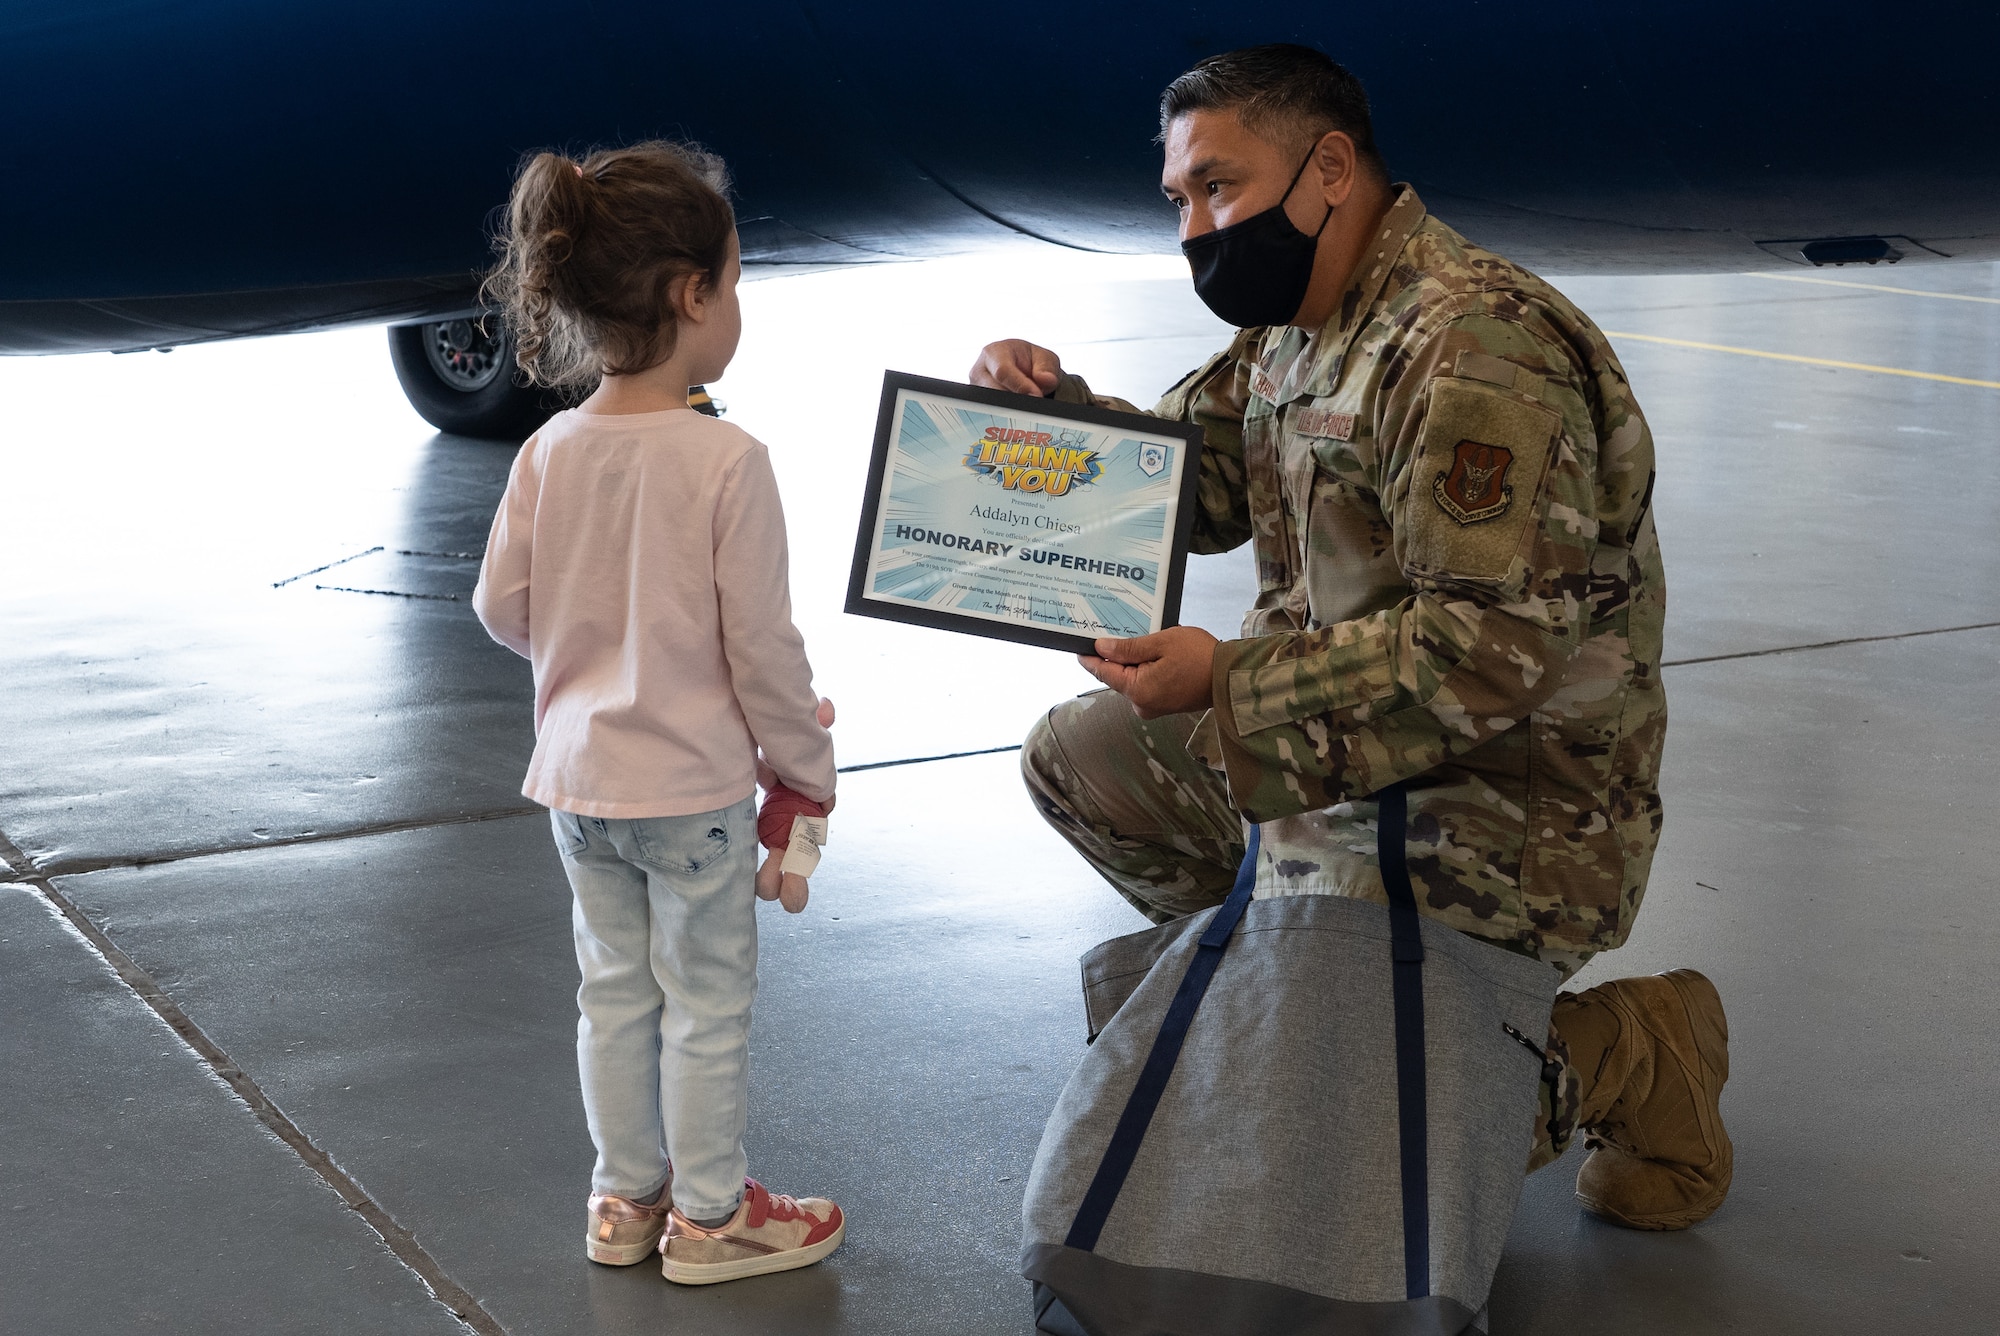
(461, 379)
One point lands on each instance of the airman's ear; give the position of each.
(1339, 166)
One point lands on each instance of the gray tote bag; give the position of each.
(1307, 1115)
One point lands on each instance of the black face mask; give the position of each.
(1256, 272)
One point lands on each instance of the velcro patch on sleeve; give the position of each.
(1493, 370)
(1479, 468)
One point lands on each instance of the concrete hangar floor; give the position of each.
(255, 745)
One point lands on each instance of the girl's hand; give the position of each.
(767, 778)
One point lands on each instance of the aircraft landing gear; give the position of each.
(459, 375)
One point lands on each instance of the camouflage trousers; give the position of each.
(1159, 826)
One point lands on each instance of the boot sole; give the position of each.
(711, 1273)
(1685, 1218)
(619, 1254)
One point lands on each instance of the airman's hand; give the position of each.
(1168, 672)
(1017, 365)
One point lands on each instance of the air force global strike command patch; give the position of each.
(1475, 487)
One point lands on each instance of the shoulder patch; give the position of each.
(1262, 385)
(1479, 466)
(1475, 487)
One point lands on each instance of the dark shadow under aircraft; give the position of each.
(186, 170)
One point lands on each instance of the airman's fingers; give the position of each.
(1138, 649)
(1017, 366)
(1045, 368)
(1117, 676)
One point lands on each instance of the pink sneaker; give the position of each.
(766, 1234)
(623, 1231)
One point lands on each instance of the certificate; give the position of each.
(1023, 519)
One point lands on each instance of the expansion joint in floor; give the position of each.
(1827, 644)
(77, 867)
(400, 1241)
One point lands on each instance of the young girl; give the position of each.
(638, 560)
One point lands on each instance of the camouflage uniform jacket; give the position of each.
(1448, 489)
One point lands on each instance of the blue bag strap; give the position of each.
(1407, 992)
(1153, 1077)
(1407, 989)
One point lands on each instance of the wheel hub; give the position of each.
(465, 355)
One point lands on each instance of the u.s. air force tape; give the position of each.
(802, 852)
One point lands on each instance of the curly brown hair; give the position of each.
(592, 248)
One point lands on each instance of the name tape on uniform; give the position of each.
(1324, 422)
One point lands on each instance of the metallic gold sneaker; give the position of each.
(766, 1234)
(623, 1231)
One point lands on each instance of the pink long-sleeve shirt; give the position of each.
(638, 561)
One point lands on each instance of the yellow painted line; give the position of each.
(1809, 361)
(1877, 287)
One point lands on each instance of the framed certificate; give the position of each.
(1023, 519)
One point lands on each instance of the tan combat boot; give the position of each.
(1651, 1055)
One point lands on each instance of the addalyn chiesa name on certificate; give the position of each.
(1058, 525)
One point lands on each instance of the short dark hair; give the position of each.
(1284, 93)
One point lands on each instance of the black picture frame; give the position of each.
(1173, 569)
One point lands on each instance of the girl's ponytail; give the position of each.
(592, 248)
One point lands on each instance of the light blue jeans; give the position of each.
(666, 936)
